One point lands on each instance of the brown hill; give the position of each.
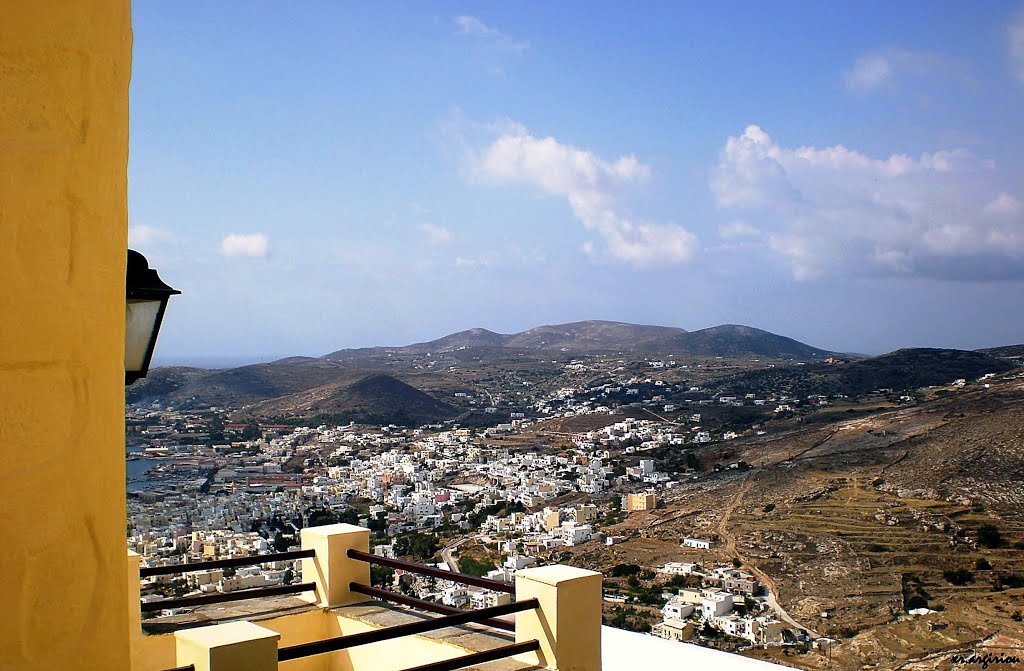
(865, 517)
(733, 340)
(1012, 352)
(233, 387)
(593, 336)
(584, 336)
(373, 399)
(904, 369)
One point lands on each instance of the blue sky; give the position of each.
(322, 175)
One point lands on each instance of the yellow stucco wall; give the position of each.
(64, 68)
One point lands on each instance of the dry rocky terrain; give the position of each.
(863, 515)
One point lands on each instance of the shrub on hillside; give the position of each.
(958, 576)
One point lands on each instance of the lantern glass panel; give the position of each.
(140, 320)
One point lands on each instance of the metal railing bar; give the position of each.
(429, 606)
(409, 629)
(172, 569)
(479, 657)
(412, 567)
(202, 600)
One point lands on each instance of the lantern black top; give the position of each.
(145, 300)
(142, 281)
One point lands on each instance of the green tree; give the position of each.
(216, 432)
(280, 542)
(620, 570)
(959, 576)
(251, 430)
(916, 601)
(381, 576)
(990, 536)
(319, 517)
(418, 546)
(693, 462)
(681, 581)
(473, 566)
(377, 525)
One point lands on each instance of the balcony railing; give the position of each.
(452, 617)
(238, 595)
(221, 597)
(422, 569)
(251, 560)
(397, 631)
(422, 604)
(557, 623)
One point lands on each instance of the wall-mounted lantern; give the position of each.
(145, 301)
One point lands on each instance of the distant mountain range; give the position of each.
(729, 340)
(403, 385)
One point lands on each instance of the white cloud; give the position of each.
(147, 236)
(470, 262)
(435, 234)
(252, 245)
(885, 68)
(592, 186)
(836, 210)
(869, 72)
(738, 229)
(474, 27)
(1004, 205)
(1016, 35)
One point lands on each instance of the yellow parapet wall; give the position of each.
(65, 67)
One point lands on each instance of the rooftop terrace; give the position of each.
(337, 622)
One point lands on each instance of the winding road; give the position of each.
(730, 547)
(447, 552)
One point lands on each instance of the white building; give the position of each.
(516, 562)
(698, 543)
(678, 568)
(456, 596)
(574, 534)
(678, 609)
(715, 604)
(488, 599)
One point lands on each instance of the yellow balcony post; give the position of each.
(568, 622)
(234, 646)
(331, 569)
(134, 605)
